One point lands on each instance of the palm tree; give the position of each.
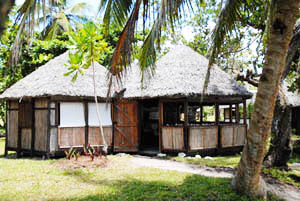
(53, 14)
(60, 18)
(281, 20)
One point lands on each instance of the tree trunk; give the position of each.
(280, 147)
(105, 147)
(5, 7)
(247, 179)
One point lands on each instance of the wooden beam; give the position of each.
(86, 120)
(237, 113)
(114, 124)
(245, 112)
(230, 113)
(32, 127)
(48, 125)
(201, 114)
(19, 145)
(217, 114)
(217, 120)
(160, 123)
(6, 128)
(185, 131)
(140, 120)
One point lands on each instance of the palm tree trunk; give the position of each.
(280, 147)
(5, 7)
(247, 179)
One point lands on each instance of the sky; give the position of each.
(186, 31)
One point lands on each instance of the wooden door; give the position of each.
(126, 126)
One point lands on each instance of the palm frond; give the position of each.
(116, 11)
(78, 8)
(122, 54)
(229, 15)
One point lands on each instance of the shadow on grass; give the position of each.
(194, 187)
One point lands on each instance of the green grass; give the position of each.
(290, 177)
(35, 179)
(219, 161)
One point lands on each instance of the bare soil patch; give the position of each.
(83, 162)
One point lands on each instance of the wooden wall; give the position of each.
(172, 138)
(41, 125)
(204, 137)
(12, 124)
(233, 135)
(94, 137)
(71, 137)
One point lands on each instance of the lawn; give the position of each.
(35, 179)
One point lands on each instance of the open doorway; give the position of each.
(149, 130)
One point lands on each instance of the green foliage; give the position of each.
(218, 161)
(33, 55)
(89, 47)
(291, 177)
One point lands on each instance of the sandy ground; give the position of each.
(283, 191)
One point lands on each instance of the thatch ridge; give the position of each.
(181, 73)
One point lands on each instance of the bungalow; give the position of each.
(47, 113)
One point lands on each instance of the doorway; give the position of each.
(149, 128)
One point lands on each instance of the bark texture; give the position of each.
(247, 179)
(5, 7)
(280, 148)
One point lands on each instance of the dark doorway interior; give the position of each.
(149, 131)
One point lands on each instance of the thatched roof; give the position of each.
(181, 73)
(48, 80)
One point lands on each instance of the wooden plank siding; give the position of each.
(26, 138)
(233, 135)
(126, 127)
(41, 130)
(203, 137)
(71, 137)
(95, 138)
(12, 128)
(173, 138)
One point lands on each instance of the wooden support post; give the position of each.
(86, 120)
(160, 123)
(186, 121)
(230, 113)
(245, 112)
(33, 127)
(19, 141)
(6, 128)
(217, 114)
(114, 123)
(217, 119)
(237, 114)
(140, 120)
(48, 127)
(201, 114)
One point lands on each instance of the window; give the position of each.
(71, 114)
(173, 114)
(105, 114)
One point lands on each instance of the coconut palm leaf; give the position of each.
(229, 16)
(116, 10)
(167, 12)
